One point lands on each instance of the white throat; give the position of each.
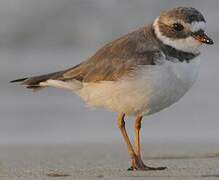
(188, 44)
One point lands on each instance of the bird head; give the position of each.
(182, 28)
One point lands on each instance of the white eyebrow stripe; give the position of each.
(196, 26)
(188, 44)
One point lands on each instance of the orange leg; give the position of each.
(137, 136)
(121, 125)
(135, 155)
(140, 164)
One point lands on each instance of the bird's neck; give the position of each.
(172, 53)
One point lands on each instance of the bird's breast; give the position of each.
(168, 81)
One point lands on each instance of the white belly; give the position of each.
(151, 90)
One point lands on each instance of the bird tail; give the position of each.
(35, 83)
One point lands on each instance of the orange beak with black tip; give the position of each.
(202, 37)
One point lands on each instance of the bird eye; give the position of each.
(178, 27)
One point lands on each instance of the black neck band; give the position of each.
(182, 56)
(172, 53)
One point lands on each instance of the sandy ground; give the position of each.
(106, 161)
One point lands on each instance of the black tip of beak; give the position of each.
(203, 38)
(209, 41)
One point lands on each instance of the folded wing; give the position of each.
(110, 63)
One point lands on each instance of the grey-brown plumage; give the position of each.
(121, 56)
(111, 62)
(187, 15)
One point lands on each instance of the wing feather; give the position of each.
(112, 62)
(116, 59)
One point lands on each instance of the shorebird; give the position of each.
(139, 74)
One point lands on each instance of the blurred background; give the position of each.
(41, 36)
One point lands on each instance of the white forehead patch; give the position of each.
(188, 44)
(196, 26)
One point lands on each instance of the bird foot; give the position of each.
(138, 165)
(147, 168)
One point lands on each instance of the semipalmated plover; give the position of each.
(138, 74)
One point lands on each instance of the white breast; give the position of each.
(151, 90)
(170, 82)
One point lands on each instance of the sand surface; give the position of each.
(107, 161)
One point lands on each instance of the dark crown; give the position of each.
(187, 14)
